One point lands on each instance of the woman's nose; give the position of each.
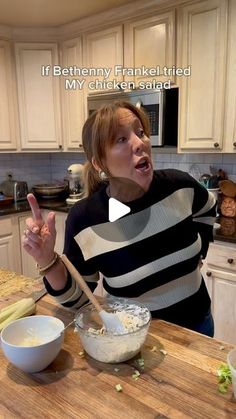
(137, 143)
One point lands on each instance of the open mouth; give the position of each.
(143, 165)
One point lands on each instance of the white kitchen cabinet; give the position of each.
(10, 244)
(219, 271)
(222, 256)
(202, 37)
(223, 294)
(230, 102)
(150, 42)
(195, 35)
(8, 106)
(103, 50)
(73, 100)
(39, 96)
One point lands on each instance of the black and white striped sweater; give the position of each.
(151, 254)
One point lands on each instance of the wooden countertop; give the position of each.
(180, 384)
(14, 286)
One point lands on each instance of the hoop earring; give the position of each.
(102, 175)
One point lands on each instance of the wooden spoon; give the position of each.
(110, 320)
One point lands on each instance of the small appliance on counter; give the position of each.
(50, 190)
(18, 190)
(75, 172)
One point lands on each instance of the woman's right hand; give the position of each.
(39, 237)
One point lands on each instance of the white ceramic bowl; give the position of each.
(32, 343)
(107, 347)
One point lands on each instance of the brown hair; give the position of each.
(99, 131)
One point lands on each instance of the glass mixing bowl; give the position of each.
(111, 348)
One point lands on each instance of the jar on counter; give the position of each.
(227, 226)
(228, 206)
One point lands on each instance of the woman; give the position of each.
(153, 253)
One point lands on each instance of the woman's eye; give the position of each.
(121, 140)
(141, 133)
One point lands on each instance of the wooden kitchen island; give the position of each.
(178, 383)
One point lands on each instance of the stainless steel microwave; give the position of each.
(161, 107)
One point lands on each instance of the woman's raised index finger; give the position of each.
(37, 216)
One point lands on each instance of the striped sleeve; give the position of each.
(71, 296)
(204, 214)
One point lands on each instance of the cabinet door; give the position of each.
(230, 103)
(202, 35)
(39, 99)
(222, 257)
(150, 43)
(103, 50)
(10, 244)
(206, 273)
(8, 121)
(72, 96)
(223, 287)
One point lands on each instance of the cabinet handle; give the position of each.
(208, 273)
(230, 261)
(234, 144)
(216, 145)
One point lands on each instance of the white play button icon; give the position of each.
(124, 228)
(117, 209)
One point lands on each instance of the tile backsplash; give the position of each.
(37, 167)
(201, 162)
(46, 167)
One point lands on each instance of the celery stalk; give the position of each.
(22, 308)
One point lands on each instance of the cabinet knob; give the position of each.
(80, 145)
(60, 146)
(230, 261)
(234, 144)
(216, 145)
(208, 273)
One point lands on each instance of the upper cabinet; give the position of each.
(150, 42)
(73, 99)
(38, 94)
(103, 51)
(194, 39)
(202, 37)
(8, 104)
(230, 102)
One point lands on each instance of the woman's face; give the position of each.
(129, 157)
